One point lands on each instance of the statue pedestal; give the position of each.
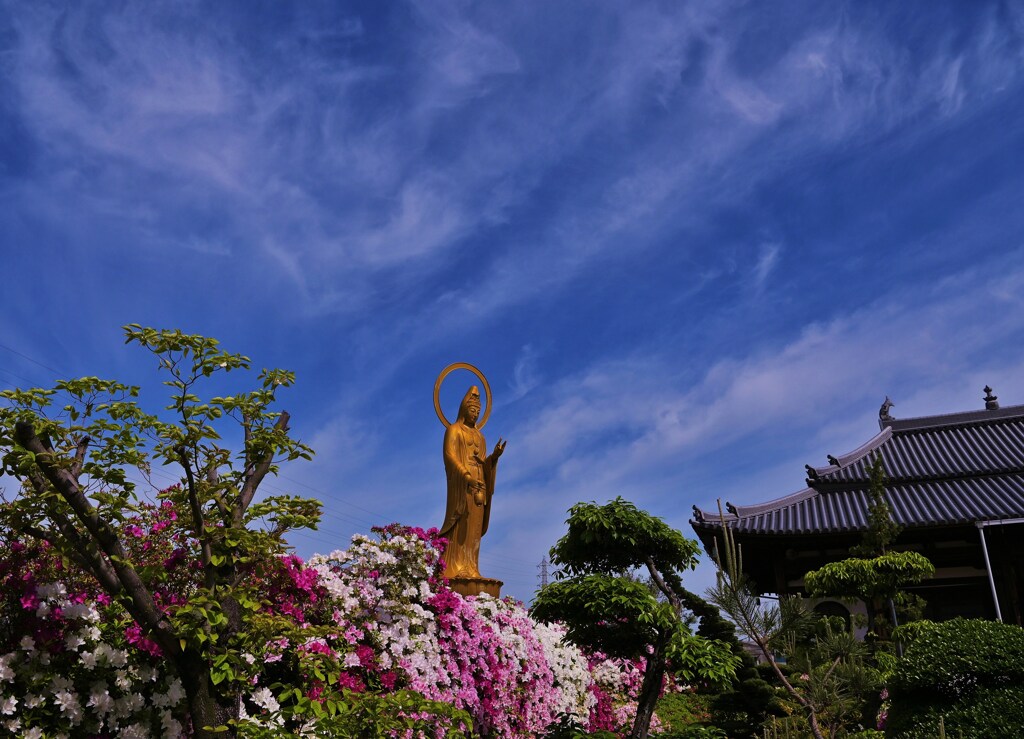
(467, 586)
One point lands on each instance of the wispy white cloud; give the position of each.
(743, 432)
(767, 257)
(843, 83)
(465, 56)
(187, 108)
(613, 215)
(925, 339)
(525, 374)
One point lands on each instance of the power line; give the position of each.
(329, 495)
(500, 560)
(15, 374)
(30, 359)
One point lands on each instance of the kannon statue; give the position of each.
(470, 474)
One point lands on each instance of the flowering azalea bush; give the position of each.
(70, 664)
(119, 617)
(371, 633)
(397, 625)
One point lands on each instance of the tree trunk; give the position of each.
(205, 706)
(812, 714)
(650, 690)
(876, 609)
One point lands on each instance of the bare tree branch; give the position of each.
(260, 470)
(198, 522)
(80, 449)
(673, 598)
(140, 603)
(247, 428)
(212, 477)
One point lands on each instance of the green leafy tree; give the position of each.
(875, 575)
(604, 608)
(881, 529)
(877, 581)
(837, 675)
(72, 448)
(773, 629)
(742, 707)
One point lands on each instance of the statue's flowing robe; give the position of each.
(465, 521)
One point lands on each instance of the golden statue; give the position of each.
(470, 477)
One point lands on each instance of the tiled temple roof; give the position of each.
(940, 470)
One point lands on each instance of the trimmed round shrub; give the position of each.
(987, 713)
(967, 672)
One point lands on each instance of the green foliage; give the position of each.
(819, 700)
(617, 537)
(772, 626)
(695, 732)
(882, 530)
(880, 577)
(990, 712)
(953, 657)
(350, 714)
(741, 708)
(838, 677)
(968, 672)
(795, 727)
(604, 607)
(682, 711)
(615, 615)
(874, 574)
(785, 727)
(74, 447)
(699, 661)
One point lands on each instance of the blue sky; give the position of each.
(692, 245)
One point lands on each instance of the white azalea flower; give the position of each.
(266, 700)
(69, 705)
(99, 698)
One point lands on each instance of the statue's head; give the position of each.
(469, 410)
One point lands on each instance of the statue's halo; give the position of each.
(483, 380)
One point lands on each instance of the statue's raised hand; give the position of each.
(499, 449)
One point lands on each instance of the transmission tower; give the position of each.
(543, 568)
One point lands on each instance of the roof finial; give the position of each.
(991, 401)
(883, 412)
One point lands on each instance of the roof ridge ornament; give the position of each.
(883, 412)
(991, 401)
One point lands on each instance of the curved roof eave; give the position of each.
(857, 454)
(711, 517)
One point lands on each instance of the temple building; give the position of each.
(954, 482)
